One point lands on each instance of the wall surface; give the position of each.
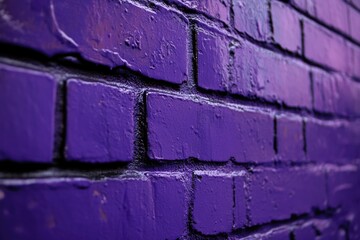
(179, 119)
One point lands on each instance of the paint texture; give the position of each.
(179, 119)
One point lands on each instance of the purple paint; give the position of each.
(104, 32)
(100, 122)
(27, 100)
(286, 24)
(213, 202)
(219, 9)
(277, 194)
(213, 58)
(203, 119)
(181, 128)
(335, 94)
(324, 48)
(78, 208)
(265, 74)
(251, 17)
(290, 139)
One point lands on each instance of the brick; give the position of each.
(326, 95)
(304, 232)
(119, 208)
(290, 139)
(286, 24)
(334, 141)
(354, 21)
(277, 194)
(179, 128)
(335, 94)
(342, 185)
(53, 28)
(333, 13)
(305, 5)
(240, 201)
(325, 48)
(169, 193)
(356, 3)
(213, 203)
(355, 61)
(212, 59)
(100, 122)
(219, 9)
(252, 18)
(27, 100)
(262, 73)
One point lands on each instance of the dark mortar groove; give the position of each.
(60, 122)
(141, 142)
(194, 58)
(270, 20)
(304, 137)
(302, 38)
(275, 140)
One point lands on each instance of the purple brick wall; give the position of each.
(180, 119)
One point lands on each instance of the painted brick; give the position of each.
(100, 122)
(342, 184)
(180, 128)
(305, 5)
(240, 201)
(355, 61)
(213, 203)
(277, 194)
(262, 73)
(53, 28)
(27, 100)
(354, 21)
(286, 24)
(212, 59)
(333, 13)
(169, 192)
(290, 139)
(356, 3)
(252, 18)
(219, 9)
(335, 94)
(304, 232)
(332, 141)
(325, 48)
(120, 209)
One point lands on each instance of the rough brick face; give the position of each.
(332, 142)
(180, 119)
(27, 100)
(213, 202)
(263, 73)
(290, 139)
(324, 48)
(206, 132)
(86, 204)
(100, 124)
(335, 93)
(286, 24)
(275, 195)
(103, 38)
(252, 18)
(213, 59)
